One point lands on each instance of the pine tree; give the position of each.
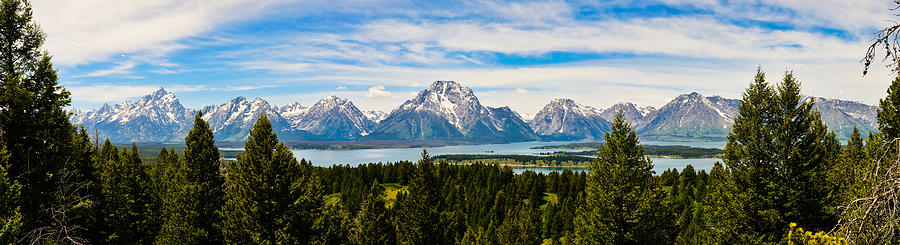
(618, 187)
(269, 197)
(33, 119)
(10, 218)
(181, 216)
(849, 174)
(522, 226)
(723, 210)
(127, 199)
(195, 193)
(888, 113)
(418, 220)
(332, 226)
(374, 224)
(779, 152)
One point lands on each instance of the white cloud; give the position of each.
(378, 92)
(80, 32)
(521, 91)
(341, 87)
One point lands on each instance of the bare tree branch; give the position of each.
(886, 38)
(64, 230)
(873, 217)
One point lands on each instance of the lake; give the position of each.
(327, 158)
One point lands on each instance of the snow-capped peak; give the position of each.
(450, 100)
(159, 116)
(332, 115)
(565, 118)
(293, 110)
(375, 116)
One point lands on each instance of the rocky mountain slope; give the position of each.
(331, 118)
(691, 116)
(155, 117)
(450, 112)
(635, 115)
(563, 119)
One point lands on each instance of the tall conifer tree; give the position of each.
(34, 122)
(196, 193)
(374, 223)
(618, 185)
(780, 153)
(269, 197)
(419, 209)
(127, 199)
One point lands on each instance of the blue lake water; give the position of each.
(355, 157)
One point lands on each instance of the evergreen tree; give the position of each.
(269, 197)
(332, 226)
(195, 194)
(108, 152)
(418, 220)
(618, 187)
(888, 113)
(127, 199)
(373, 224)
(780, 152)
(180, 207)
(850, 172)
(10, 218)
(683, 202)
(35, 124)
(522, 226)
(78, 192)
(723, 210)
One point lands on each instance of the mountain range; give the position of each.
(445, 111)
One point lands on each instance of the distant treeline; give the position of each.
(518, 159)
(677, 151)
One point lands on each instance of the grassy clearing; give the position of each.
(390, 193)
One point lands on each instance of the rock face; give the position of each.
(375, 116)
(448, 111)
(692, 116)
(563, 119)
(635, 115)
(842, 115)
(331, 118)
(155, 117)
(232, 120)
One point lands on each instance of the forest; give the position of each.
(784, 179)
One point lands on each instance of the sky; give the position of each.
(520, 54)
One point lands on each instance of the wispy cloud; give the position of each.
(80, 32)
(122, 68)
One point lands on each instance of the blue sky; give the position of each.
(520, 54)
